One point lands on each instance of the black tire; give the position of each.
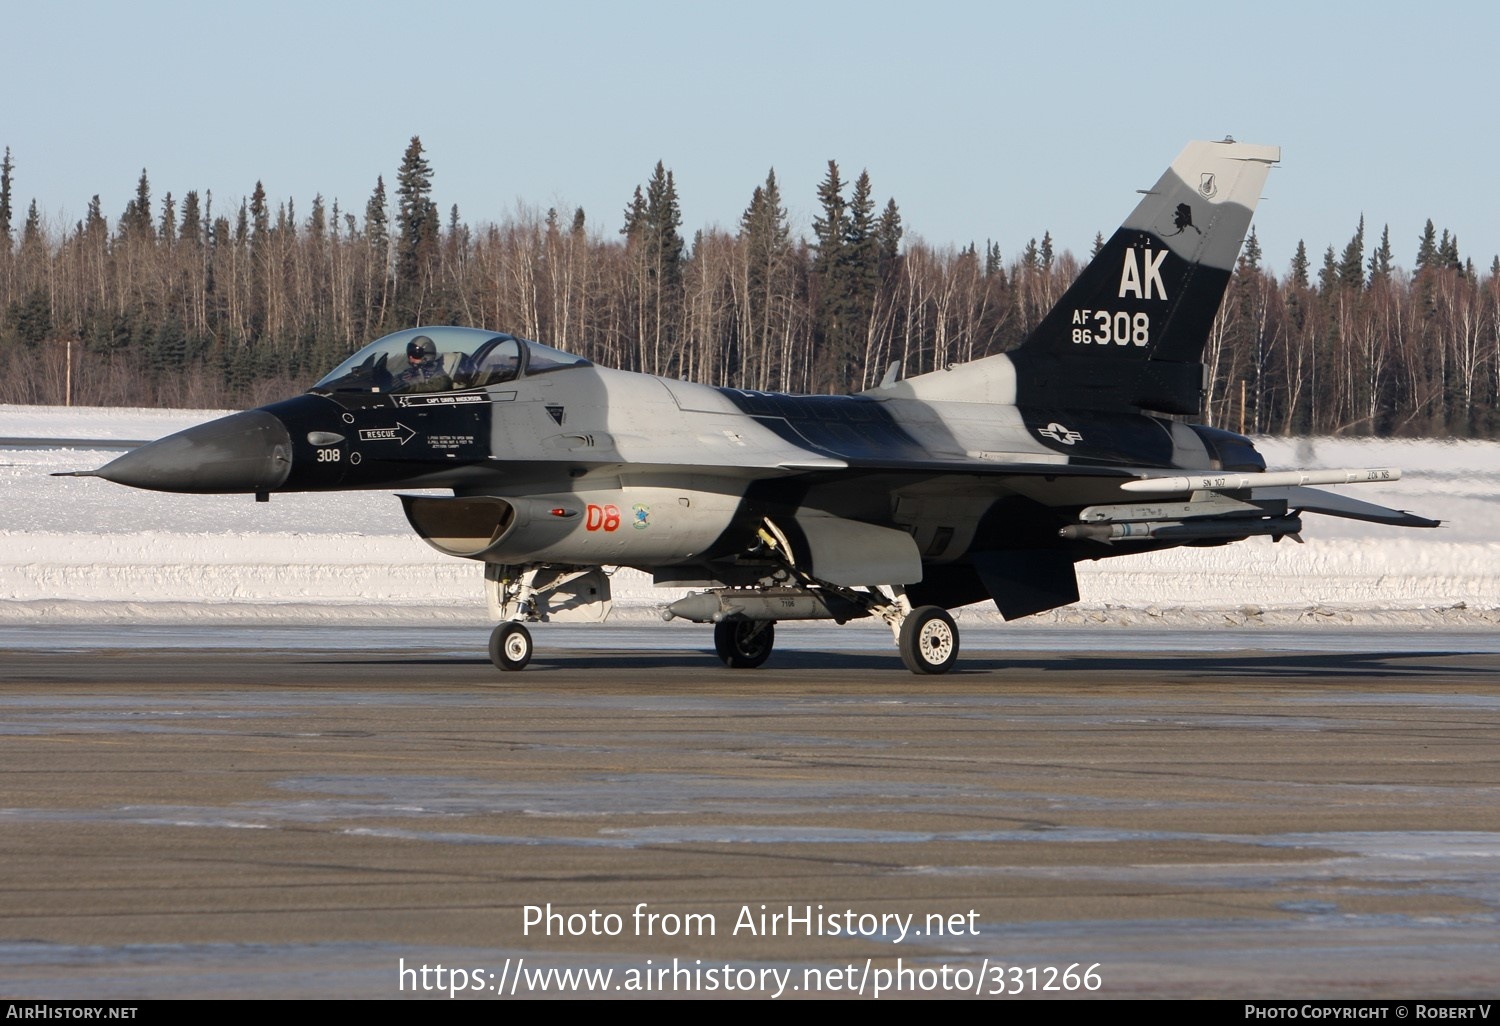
(510, 646)
(744, 644)
(929, 640)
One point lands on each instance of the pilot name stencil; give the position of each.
(451, 399)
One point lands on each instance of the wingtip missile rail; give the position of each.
(1221, 482)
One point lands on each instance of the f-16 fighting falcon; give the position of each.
(986, 481)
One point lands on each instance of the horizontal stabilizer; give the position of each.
(1315, 500)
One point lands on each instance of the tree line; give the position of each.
(181, 303)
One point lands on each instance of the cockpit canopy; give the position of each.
(443, 359)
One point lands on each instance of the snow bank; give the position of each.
(85, 549)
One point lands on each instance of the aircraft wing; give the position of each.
(1202, 494)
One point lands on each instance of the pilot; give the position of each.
(424, 372)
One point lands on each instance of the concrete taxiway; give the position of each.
(271, 814)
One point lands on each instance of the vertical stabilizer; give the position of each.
(1129, 333)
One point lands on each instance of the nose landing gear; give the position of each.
(510, 646)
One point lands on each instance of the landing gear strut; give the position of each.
(744, 644)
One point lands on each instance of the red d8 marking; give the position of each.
(601, 518)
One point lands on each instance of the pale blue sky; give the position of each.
(984, 121)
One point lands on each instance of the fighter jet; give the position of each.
(981, 482)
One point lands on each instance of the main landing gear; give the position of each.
(926, 637)
(928, 640)
(744, 644)
(744, 618)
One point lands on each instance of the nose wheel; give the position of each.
(744, 644)
(510, 646)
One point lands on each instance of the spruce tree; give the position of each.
(191, 230)
(1380, 258)
(656, 250)
(831, 228)
(763, 225)
(260, 216)
(1250, 257)
(663, 219)
(652, 219)
(31, 234)
(835, 292)
(375, 287)
(32, 316)
(1447, 253)
(166, 229)
(1328, 277)
(765, 238)
(1427, 249)
(1299, 273)
(135, 223)
(377, 222)
(6, 167)
(317, 221)
(33, 254)
(635, 215)
(862, 251)
(888, 237)
(94, 220)
(1352, 265)
(218, 238)
(418, 225)
(992, 262)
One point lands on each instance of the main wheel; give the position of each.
(929, 640)
(744, 644)
(510, 646)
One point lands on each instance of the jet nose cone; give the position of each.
(245, 452)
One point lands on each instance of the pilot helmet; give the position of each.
(421, 348)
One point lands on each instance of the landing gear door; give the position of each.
(851, 553)
(547, 594)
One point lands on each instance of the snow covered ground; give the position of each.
(82, 549)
